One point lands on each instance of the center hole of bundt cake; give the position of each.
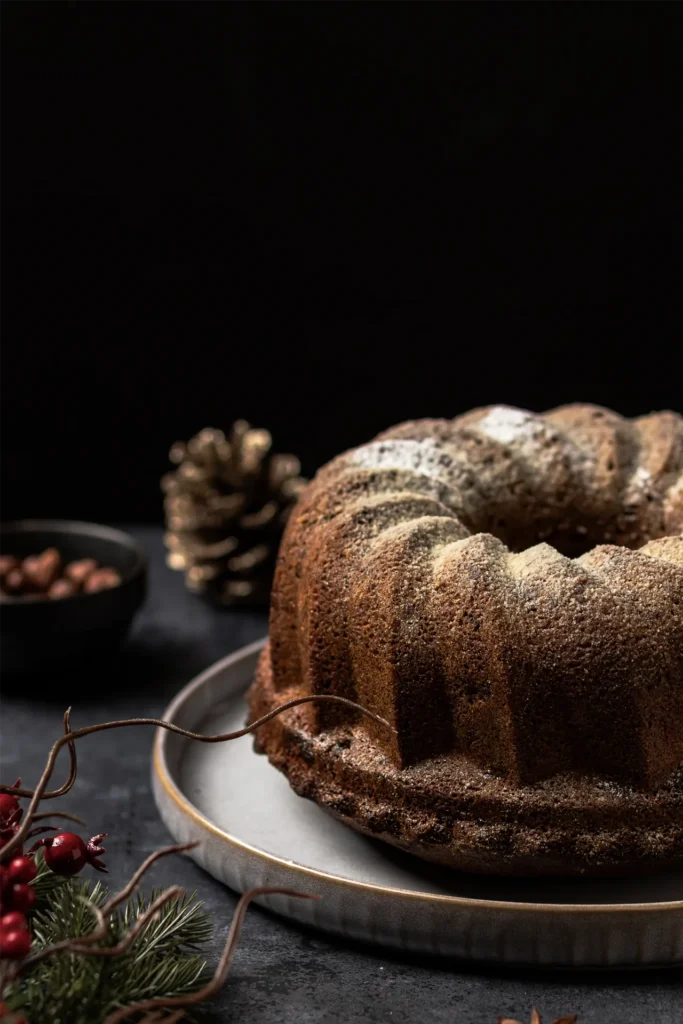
(571, 539)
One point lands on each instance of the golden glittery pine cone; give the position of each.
(226, 505)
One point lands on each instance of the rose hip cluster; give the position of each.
(65, 854)
(48, 576)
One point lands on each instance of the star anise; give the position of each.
(536, 1019)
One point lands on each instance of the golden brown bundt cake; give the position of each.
(506, 590)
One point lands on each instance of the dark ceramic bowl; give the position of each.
(38, 634)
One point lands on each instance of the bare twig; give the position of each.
(38, 793)
(218, 979)
(85, 945)
(132, 885)
(73, 771)
(173, 892)
(58, 814)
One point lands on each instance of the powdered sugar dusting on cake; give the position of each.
(535, 441)
(642, 477)
(421, 456)
(638, 487)
(427, 458)
(507, 425)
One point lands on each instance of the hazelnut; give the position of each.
(45, 575)
(7, 563)
(78, 572)
(13, 582)
(101, 579)
(61, 588)
(40, 571)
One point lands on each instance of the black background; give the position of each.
(326, 218)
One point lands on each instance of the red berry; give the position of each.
(4, 878)
(13, 921)
(15, 945)
(21, 897)
(66, 853)
(22, 869)
(9, 807)
(16, 1017)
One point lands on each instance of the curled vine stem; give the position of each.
(58, 814)
(68, 739)
(66, 786)
(221, 972)
(134, 882)
(173, 892)
(154, 1009)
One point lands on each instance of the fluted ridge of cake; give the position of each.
(411, 578)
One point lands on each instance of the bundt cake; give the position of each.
(506, 590)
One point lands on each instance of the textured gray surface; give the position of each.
(281, 973)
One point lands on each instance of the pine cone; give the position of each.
(226, 506)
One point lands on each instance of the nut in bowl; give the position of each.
(47, 575)
(69, 592)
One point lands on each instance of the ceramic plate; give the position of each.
(255, 831)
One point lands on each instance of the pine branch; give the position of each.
(166, 959)
(110, 958)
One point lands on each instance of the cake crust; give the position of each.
(506, 590)
(452, 813)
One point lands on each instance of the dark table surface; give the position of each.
(281, 973)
